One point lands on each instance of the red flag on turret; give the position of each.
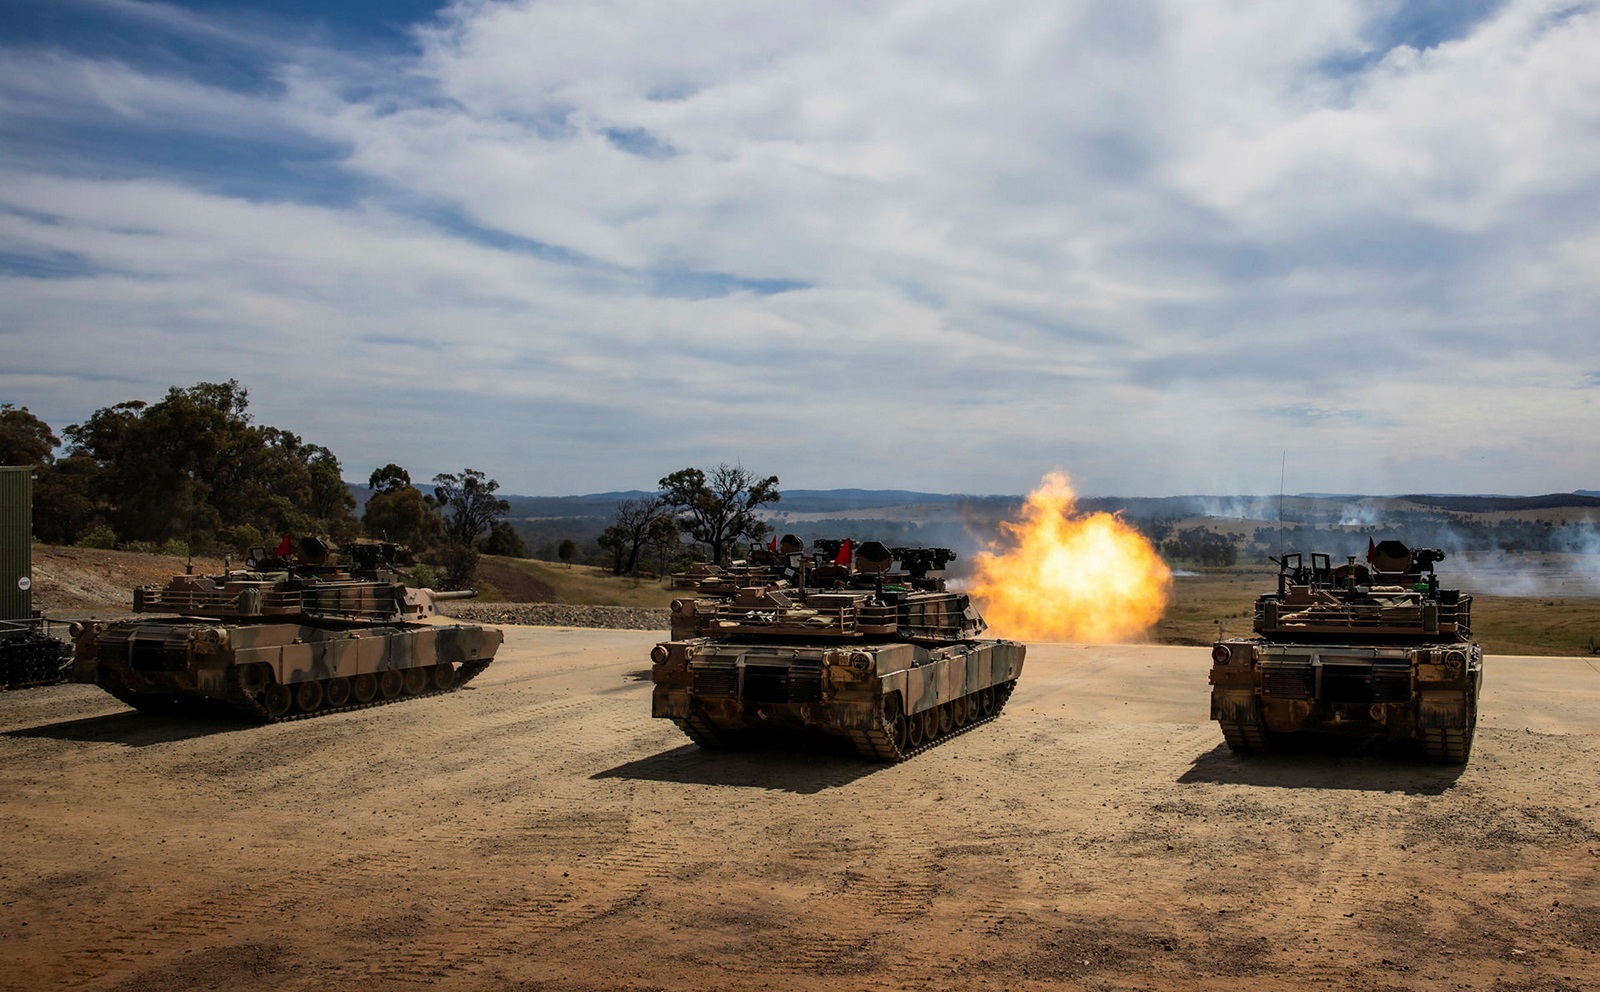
(772, 545)
(843, 557)
(285, 546)
(1372, 551)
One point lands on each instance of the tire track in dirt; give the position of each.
(122, 948)
(507, 923)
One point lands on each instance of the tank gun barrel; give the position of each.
(453, 594)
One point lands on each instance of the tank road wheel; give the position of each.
(914, 727)
(416, 680)
(962, 709)
(277, 700)
(947, 718)
(391, 683)
(308, 696)
(986, 702)
(930, 723)
(444, 676)
(364, 688)
(336, 692)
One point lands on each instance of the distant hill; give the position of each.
(837, 501)
(1505, 504)
(1256, 524)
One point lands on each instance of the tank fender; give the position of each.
(1234, 706)
(1447, 710)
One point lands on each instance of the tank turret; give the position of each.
(836, 641)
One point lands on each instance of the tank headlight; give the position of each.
(1454, 659)
(860, 661)
(1221, 654)
(660, 654)
(677, 606)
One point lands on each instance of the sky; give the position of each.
(1167, 246)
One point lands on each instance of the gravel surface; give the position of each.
(560, 615)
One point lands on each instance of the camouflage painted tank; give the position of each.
(285, 638)
(890, 660)
(1375, 648)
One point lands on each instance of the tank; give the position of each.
(889, 659)
(1354, 649)
(284, 638)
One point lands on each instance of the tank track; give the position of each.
(249, 703)
(1244, 738)
(154, 704)
(707, 734)
(1450, 746)
(878, 743)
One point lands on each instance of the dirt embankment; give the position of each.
(71, 581)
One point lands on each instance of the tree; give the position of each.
(389, 479)
(718, 509)
(639, 523)
(567, 550)
(471, 501)
(24, 438)
(63, 509)
(398, 511)
(193, 466)
(504, 540)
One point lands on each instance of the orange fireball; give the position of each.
(1069, 576)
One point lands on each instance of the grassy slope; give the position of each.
(585, 585)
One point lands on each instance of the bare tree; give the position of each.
(640, 522)
(718, 509)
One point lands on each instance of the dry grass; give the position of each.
(587, 585)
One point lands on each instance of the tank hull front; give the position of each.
(1265, 691)
(890, 699)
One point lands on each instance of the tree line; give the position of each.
(194, 472)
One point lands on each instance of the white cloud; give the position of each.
(1125, 238)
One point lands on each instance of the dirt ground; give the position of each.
(538, 831)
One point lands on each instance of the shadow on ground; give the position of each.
(135, 729)
(1361, 766)
(800, 764)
